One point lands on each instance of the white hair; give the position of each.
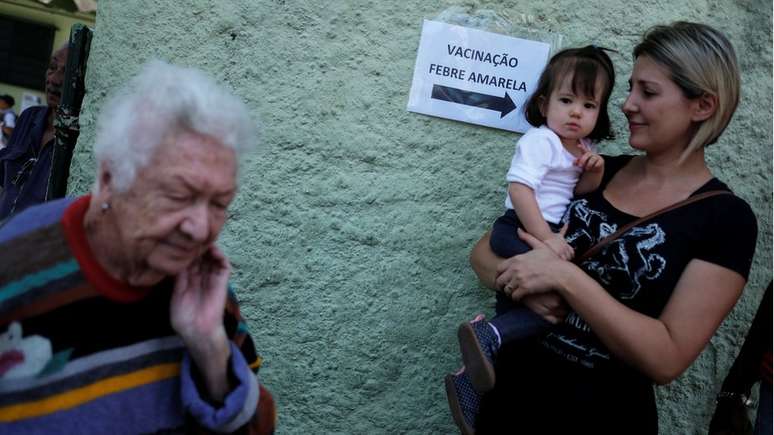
(165, 100)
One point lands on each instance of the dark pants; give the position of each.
(540, 393)
(513, 321)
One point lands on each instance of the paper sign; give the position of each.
(474, 76)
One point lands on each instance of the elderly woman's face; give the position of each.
(177, 204)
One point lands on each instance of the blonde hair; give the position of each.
(701, 61)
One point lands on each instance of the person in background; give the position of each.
(7, 119)
(115, 308)
(752, 365)
(25, 163)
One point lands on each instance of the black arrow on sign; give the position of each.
(504, 105)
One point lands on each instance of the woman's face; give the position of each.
(660, 116)
(176, 206)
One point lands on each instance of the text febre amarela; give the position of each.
(475, 77)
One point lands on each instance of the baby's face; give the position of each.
(570, 115)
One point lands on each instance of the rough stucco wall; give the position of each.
(351, 232)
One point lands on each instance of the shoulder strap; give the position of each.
(607, 240)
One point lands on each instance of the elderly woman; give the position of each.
(115, 305)
(640, 310)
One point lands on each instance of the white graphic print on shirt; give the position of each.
(629, 259)
(636, 263)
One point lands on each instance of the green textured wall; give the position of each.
(351, 233)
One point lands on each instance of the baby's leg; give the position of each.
(504, 240)
(514, 321)
(480, 340)
(518, 323)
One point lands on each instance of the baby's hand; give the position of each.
(560, 247)
(589, 160)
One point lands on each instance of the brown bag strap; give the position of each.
(607, 240)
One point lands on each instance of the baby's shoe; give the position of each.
(479, 345)
(464, 401)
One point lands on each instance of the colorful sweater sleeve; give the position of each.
(248, 408)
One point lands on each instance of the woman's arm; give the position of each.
(745, 371)
(485, 264)
(660, 348)
(730, 416)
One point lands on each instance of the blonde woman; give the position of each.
(641, 310)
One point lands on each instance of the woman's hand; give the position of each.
(530, 273)
(549, 306)
(199, 297)
(196, 314)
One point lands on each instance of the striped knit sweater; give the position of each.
(83, 353)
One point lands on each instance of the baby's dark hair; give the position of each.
(585, 64)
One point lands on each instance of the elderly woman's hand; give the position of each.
(531, 273)
(200, 296)
(196, 313)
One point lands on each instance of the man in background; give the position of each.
(25, 163)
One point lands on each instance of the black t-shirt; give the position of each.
(641, 268)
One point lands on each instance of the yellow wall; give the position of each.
(32, 11)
